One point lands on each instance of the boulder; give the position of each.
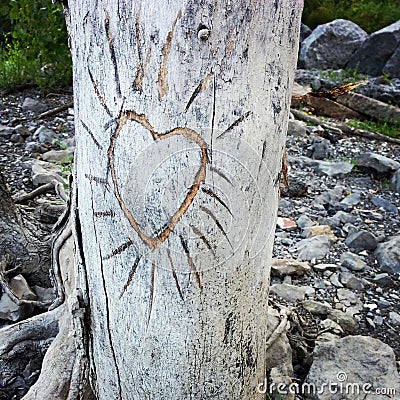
(352, 261)
(372, 57)
(33, 105)
(361, 240)
(305, 31)
(349, 362)
(388, 255)
(393, 64)
(380, 165)
(319, 149)
(316, 247)
(331, 45)
(290, 292)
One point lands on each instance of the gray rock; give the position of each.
(388, 255)
(324, 267)
(340, 218)
(316, 307)
(36, 106)
(16, 138)
(290, 292)
(394, 318)
(21, 288)
(350, 201)
(43, 172)
(380, 165)
(376, 51)
(356, 360)
(44, 135)
(315, 247)
(395, 181)
(334, 279)
(335, 169)
(349, 299)
(6, 131)
(383, 280)
(58, 156)
(305, 31)
(331, 45)
(362, 240)
(10, 311)
(297, 128)
(304, 222)
(350, 281)
(384, 204)
(281, 267)
(346, 321)
(352, 261)
(319, 149)
(33, 147)
(44, 294)
(391, 67)
(330, 196)
(22, 130)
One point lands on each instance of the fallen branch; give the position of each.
(316, 121)
(54, 184)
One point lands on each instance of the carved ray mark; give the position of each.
(162, 75)
(137, 83)
(152, 274)
(221, 174)
(97, 179)
(216, 197)
(203, 238)
(214, 218)
(99, 96)
(154, 242)
(236, 123)
(131, 275)
(98, 145)
(213, 114)
(201, 86)
(107, 213)
(112, 53)
(174, 274)
(190, 261)
(119, 249)
(110, 123)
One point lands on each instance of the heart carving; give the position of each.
(153, 242)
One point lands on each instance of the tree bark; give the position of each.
(181, 112)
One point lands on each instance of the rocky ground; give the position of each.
(337, 243)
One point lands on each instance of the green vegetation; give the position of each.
(371, 15)
(342, 76)
(33, 44)
(386, 128)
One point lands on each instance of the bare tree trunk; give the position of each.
(181, 111)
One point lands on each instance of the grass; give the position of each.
(342, 76)
(383, 127)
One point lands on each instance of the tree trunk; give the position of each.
(181, 112)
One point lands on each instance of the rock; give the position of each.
(44, 294)
(361, 240)
(22, 131)
(395, 181)
(340, 218)
(350, 201)
(391, 67)
(305, 31)
(352, 261)
(383, 280)
(297, 128)
(329, 325)
(286, 224)
(33, 147)
(350, 281)
(334, 169)
(281, 267)
(331, 45)
(304, 222)
(388, 255)
(290, 292)
(376, 51)
(16, 138)
(43, 172)
(21, 289)
(36, 106)
(315, 247)
(324, 267)
(394, 318)
(334, 279)
(384, 204)
(316, 307)
(44, 135)
(330, 196)
(295, 188)
(370, 107)
(349, 299)
(380, 165)
(58, 156)
(317, 230)
(6, 131)
(346, 321)
(326, 337)
(10, 311)
(355, 361)
(319, 149)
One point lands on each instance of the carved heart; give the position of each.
(153, 242)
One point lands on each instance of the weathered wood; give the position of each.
(181, 113)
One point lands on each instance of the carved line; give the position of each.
(99, 96)
(216, 197)
(137, 83)
(203, 238)
(153, 268)
(162, 75)
(221, 174)
(97, 179)
(174, 274)
(131, 275)
(98, 145)
(201, 86)
(112, 52)
(214, 218)
(107, 213)
(155, 241)
(236, 123)
(119, 249)
(190, 261)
